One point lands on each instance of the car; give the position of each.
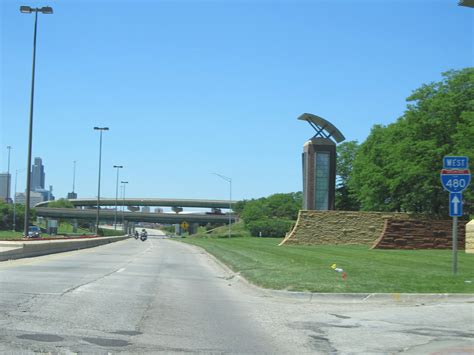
(34, 232)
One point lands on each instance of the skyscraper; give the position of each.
(5, 179)
(37, 175)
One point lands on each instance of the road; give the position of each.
(169, 297)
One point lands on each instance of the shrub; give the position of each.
(270, 227)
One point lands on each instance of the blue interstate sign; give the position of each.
(455, 204)
(455, 180)
(455, 163)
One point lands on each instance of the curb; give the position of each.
(315, 297)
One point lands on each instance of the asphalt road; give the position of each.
(165, 296)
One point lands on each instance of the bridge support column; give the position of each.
(193, 228)
(126, 227)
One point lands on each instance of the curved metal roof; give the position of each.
(320, 125)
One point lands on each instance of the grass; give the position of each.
(308, 268)
(9, 235)
(65, 229)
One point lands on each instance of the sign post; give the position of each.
(455, 177)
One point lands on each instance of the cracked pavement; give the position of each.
(161, 296)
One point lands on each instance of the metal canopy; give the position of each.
(323, 128)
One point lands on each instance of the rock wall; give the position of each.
(470, 237)
(339, 227)
(419, 234)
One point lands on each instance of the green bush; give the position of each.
(270, 227)
(6, 216)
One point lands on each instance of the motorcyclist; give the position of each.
(136, 234)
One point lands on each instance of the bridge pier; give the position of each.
(193, 228)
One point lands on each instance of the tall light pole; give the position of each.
(28, 10)
(100, 129)
(123, 200)
(116, 194)
(74, 177)
(8, 175)
(14, 202)
(229, 180)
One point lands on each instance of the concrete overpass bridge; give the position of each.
(169, 218)
(157, 202)
(83, 211)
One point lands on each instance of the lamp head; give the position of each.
(46, 10)
(26, 10)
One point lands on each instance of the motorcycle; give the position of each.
(143, 236)
(136, 235)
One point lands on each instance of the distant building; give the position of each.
(37, 175)
(35, 198)
(47, 194)
(5, 182)
(158, 210)
(146, 209)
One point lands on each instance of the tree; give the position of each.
(397, 168)
(281, 205)
(61, 203)
(345, 199)
(273, 216)
(6, 216)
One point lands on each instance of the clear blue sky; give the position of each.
(194, 87)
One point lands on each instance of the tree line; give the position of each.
(397, 168)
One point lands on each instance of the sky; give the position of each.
(191, 88)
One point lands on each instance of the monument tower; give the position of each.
(319, 164)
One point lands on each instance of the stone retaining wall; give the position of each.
(470, 237)
(419, 234)
(339, 227)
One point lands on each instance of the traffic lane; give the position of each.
(174, 297)
(197, 310)
(157, 299)
(39, 295)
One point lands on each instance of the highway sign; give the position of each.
(455, 204)
(455, 177)
(184, 225)
(455, 163)
(455, 180)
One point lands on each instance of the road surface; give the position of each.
(162, 296)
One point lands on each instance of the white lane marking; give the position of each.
(120, 270)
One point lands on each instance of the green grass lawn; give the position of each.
(308, 268)
(10, 235)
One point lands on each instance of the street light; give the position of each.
(229, 180)
(123, 201)
(29, 10)
(74, 178)
(14, 202)
(116, 194)
(8, 175)
(101, 129)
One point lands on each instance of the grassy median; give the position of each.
(308, 268)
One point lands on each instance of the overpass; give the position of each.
(171, 218)
(165, 202)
